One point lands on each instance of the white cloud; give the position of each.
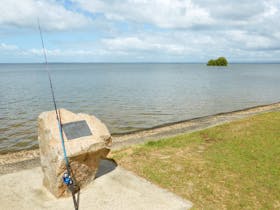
(258, 21)
(249, 41)
(53, 16)
(163, 13)
(58, 52)
(177, 44)
(272, 8)
(7, 47)
(147, 43)
(178, 29)
(184, 14)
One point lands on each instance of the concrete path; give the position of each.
(114, 189)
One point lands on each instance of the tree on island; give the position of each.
(221, 61)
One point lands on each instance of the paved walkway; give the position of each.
(114, 189)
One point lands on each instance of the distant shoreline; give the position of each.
(264, 62)
(25, 159)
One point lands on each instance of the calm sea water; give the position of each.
(128, 97)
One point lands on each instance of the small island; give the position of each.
(221, 61)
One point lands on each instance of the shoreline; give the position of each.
(25, 159)
(195, 118)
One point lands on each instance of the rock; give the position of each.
(84, 152)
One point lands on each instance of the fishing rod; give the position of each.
(67, 177)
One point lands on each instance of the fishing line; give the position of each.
(67, 177)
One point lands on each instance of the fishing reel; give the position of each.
(67, 179)
(70, 183)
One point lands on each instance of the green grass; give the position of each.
(232, 166)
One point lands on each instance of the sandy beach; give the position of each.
(12, 162)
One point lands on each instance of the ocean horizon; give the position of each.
(128, 96)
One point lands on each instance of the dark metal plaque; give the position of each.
(74, 130)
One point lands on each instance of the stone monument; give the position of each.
(87, 140)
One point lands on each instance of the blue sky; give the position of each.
(140, 30)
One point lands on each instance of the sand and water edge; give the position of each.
(26, 159)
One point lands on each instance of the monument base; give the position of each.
(87, 140)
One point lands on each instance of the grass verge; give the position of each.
(232, 166)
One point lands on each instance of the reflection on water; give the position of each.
(128, 97)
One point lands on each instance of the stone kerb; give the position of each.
(84, 152)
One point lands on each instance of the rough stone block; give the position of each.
(84, 150)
